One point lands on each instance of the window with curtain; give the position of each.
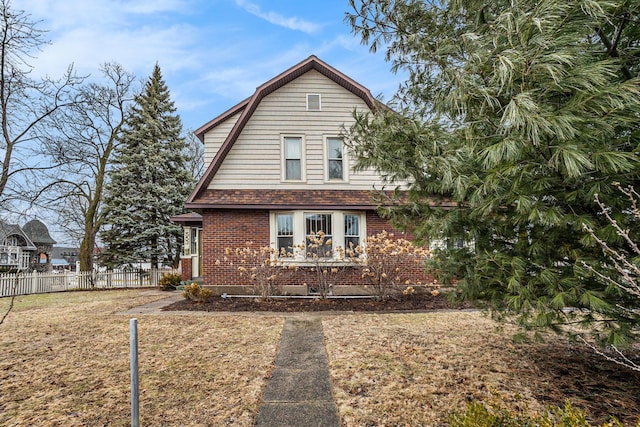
(293, 158)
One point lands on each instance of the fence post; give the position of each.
(135, 401)
(34, 282)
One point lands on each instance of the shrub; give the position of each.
(169, 282)
(387, 261)
(325, 266)
(196, 293)
(478, 414)
(261, 266)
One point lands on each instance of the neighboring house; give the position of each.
(278, 171)
(27, 247)
(39, 235)
(16, 249)
(65, 257)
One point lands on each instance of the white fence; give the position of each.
(41, 283)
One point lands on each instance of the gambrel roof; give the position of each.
(247, 107)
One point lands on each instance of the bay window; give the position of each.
(351, 233)
(284, 234)
(317, 229)
(301, 235)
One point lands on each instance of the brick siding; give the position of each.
(185, 266)
(234, 228)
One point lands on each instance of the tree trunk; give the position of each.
(86, 253)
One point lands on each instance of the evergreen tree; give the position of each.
(519, 112)
(149, 183)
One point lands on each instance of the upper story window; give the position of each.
(313, 102)
(335, 159)
(293, 158)
(14, 241)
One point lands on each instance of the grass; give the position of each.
(414, 369)
(64, 361)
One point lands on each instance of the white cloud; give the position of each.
(87, 48)
(291, 23)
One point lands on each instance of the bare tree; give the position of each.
(84, 141)
(622, 270)
(194, 152)
(12, 297)
(25, 102)
(8, 249)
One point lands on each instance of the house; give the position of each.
(16, 248)
(278, 171)
(27, 247)
(65, 257)
(39, 235)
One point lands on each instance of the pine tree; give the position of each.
(519, 112)
(149, 183)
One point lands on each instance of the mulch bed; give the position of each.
(401, 303)
(578, 374)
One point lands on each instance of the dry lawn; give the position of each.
(414, 369)
(64, 361)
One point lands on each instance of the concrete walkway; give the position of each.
(298, 394)
(156, 306)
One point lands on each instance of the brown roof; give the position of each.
(189, 218)
(284, 199)
(291, 199)
(248, 107)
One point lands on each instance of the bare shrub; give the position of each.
(261, 265)
(387, 263)
(324, 266)
(626, 270)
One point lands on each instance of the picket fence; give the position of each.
(41, 283)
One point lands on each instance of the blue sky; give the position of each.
(213, 53)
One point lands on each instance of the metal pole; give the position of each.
(135, 401)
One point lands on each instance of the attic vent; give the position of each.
(313, 102)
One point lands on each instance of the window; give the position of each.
(194, 241)
(335, 169)
(15, 241)
(292, 230)
(455, 244)
(313, 102)
(284, 234)
(292, 158)
(351, 233)
(319, 238)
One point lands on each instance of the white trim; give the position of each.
(303, 156)
(299, 232)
